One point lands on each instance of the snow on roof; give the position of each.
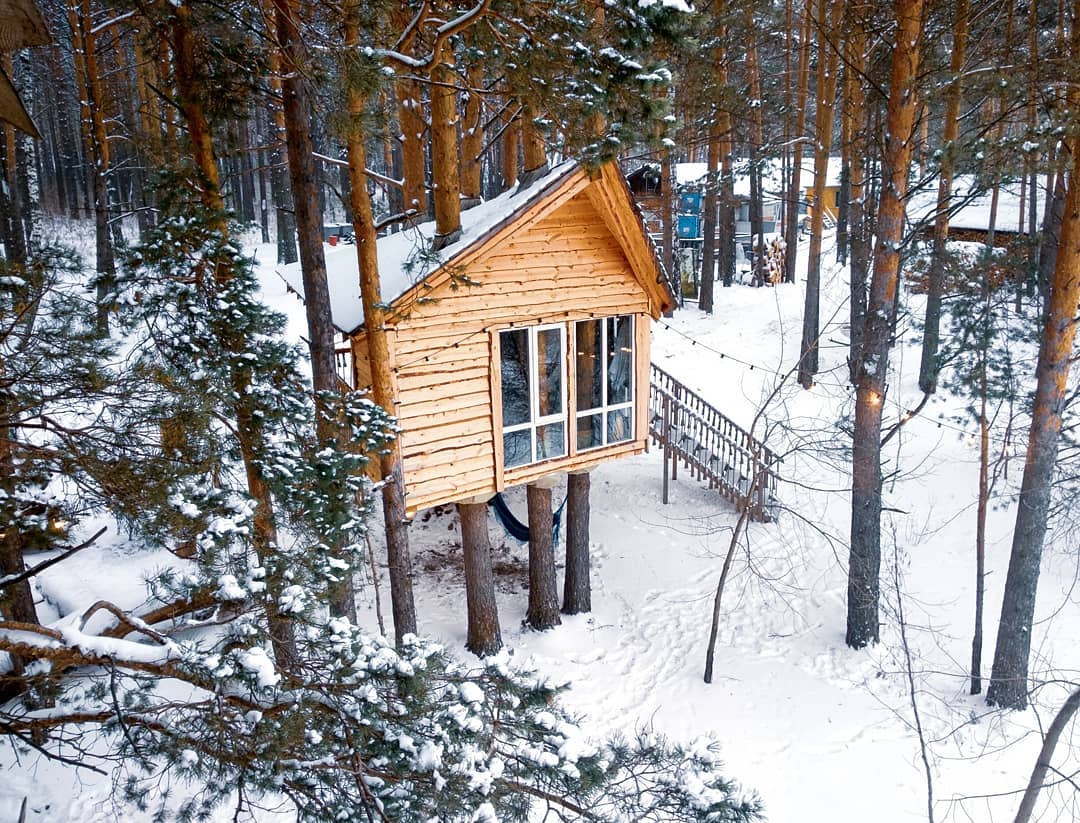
(974, 213)
(774, 182)
(405, 258)
(690, 172)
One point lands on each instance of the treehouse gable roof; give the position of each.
(409, 270)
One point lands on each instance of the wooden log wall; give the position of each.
(566, 267)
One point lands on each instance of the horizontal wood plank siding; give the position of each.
(567, 266)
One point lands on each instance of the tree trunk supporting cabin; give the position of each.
(543, 610)
(484, 637)
(577, 592)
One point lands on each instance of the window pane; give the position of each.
(620, 359)
(590, 368)
(549, 358)
(550, 441)
(590, 431)
(618, 426)
(516, 448)
(514, 362)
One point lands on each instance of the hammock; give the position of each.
(518, 530)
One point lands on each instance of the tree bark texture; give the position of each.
(472, 139)
(96, 145)
(444, 149)
(543, 611)
(1043, 763)
(928, 367)
(794, 192)
(484, 637)
(1009, 678)
(284, 217)
(511, 144)
(667, 220)
(534, 152)
(708, 259)
(757, 140)
(577, 589)
(382, 388)
(264, 536)
(726, 219)
(828, 22)
(855, 45)
(865, 555)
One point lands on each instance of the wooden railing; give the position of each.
(343, 363)
(711, 447)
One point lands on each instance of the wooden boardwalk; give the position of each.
(711, 447)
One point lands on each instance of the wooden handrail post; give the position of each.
(677, 406)
(666, 429)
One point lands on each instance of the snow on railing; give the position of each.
(712, 447)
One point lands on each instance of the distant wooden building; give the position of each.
(520, 351)
(972, 205)
(831, 197)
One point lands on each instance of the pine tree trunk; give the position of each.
(843, 198)
(382, 390)
(828, 19)
(534, 152)
(667, 221)
(1051, 237)
(757, 141)
(511, 143)
(413, 161)
(96, 147)
(928, 369)
(865, 557)
(284, 216)
(14, 240)
(445, 167)
(708, 248)
(980, 523)
(543, 611)
(577, 589)
(716, 136)
(264, 536)
(726, 240)
(472, 140)
(855, 100)
(1009, 677)
(484, 636)
(794, 192)
(17, 600)
(1043, 764)
(304, 184)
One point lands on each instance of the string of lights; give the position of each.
(905, 417)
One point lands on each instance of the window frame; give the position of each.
(569, 417)
(535, 420)
(606, 408)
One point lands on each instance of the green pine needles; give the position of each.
(244, 693)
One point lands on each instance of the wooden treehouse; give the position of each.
(521, 351)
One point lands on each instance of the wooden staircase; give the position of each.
(711, 447)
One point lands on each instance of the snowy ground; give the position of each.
(821, 732)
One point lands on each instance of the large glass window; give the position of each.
(532, 364)
(604, 360)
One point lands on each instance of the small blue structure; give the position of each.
(689, 227)
(689, 203)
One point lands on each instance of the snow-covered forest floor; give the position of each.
(821, 732)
